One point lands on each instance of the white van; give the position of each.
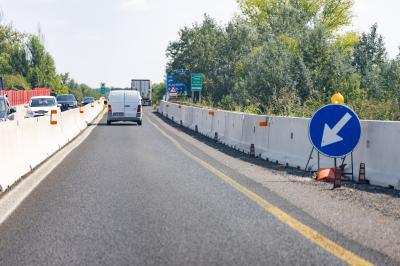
(124, 105)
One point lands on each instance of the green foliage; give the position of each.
(15, 82)
(332, 14)
(369, 60)
(78, 90)
(25, 63)
(288, 58)
(42, 72)
(158, 91)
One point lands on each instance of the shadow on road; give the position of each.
(113, 124)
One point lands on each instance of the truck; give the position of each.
(144, 88)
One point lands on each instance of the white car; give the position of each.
(41, 105)
(124, 105)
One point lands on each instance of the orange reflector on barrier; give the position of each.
(81, 110)
(53, 117)
(263, 124)
(211, 113)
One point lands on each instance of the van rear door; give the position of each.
(116, 100)
(132, 100)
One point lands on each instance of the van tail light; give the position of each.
(139, 109)
(109, 108)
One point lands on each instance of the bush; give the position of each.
(15, 82)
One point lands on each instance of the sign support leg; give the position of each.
(352, 167)
(338, 176)
(308, 162)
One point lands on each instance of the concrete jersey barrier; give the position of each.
(28, 142)
(285, 140)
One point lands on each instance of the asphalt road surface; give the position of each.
(129, 196)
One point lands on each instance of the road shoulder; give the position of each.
(352, 219)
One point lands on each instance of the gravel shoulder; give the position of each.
(366, 214)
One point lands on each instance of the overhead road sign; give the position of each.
(335, 130)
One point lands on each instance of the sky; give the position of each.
(114, 41)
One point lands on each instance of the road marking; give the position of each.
(306, 231)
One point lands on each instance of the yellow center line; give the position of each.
(306, 231)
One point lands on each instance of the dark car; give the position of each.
(6, 111)
(88, 100)
(67, 101)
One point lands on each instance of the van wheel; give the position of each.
(139, 123)
(108, 122)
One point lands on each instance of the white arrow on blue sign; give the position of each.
(335, 130)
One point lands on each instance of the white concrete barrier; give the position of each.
(187, 115)
(197, 116)
(161, 109)
(28, 142)
(254, 133)
(382, 156)
(234, 129)
(206, 121)
(174, 112)
(219, 124)
(285, 139)
(288, 141)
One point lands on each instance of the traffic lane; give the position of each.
(128, 196)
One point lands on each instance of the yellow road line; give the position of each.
(306, 231)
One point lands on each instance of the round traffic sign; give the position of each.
(335, 130)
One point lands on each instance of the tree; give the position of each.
(391, 78)
(42, 72)
(332, 14)
(369, 58)
(198, 50)
(15, 82)
(11, 48)
(158, 91)
(288, 57)
(268, 72)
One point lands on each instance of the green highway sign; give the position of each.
(103, 89)
(197, 82)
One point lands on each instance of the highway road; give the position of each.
(131, 195)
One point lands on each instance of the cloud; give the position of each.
(139, 5)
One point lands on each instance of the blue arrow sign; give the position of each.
(335, 130)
